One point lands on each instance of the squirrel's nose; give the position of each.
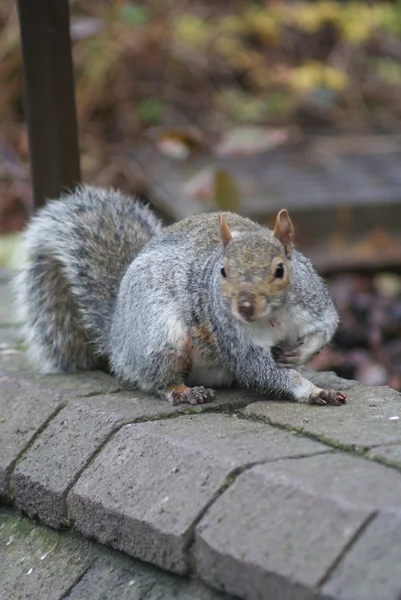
(246, 305)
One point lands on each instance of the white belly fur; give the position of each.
(266, 334)
(263, 334)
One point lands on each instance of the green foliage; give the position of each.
(150, 111)
(133, 14)
(192, 30)
(266, 60)
(214, 66)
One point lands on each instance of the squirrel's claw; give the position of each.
(191, 395)
(200, 395)
(332, 397)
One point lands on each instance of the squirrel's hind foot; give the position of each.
(328, 397)
(181, 394)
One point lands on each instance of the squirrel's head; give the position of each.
(256, 268)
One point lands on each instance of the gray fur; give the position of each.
(103, 281)
(76, 250)
(173, 286)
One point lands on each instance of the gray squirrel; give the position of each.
(210, 301)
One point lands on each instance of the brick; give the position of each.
(37, 563)
(176, 589)
(24, 410)
(120, 578)
(279, 528)
(26, 404)
(14, 361)
(371, 568)
(53, 463)
(86, 383)
(391, 453)
(147, 487)
(364, 421)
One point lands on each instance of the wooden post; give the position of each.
(49, 97)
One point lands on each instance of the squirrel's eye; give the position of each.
(279, 272)
(223, 272)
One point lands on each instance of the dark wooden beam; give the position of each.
(49, 97)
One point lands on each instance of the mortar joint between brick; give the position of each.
(353, 449)
(21, 455)
(115, 429)
(190, 411)
(229, 480)
(67, 593)
(90, 460)
(117, 390)
(119, 425)
(190, 534)
(357, 535)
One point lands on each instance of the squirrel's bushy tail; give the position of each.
(76, 250)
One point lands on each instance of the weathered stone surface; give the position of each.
(24, 409)
(371, 568)
(176, 589)
(37, 563)
(365, 421)
(144, 491)
(88, 383)
(53, 463)
(6, 313)
(391, 453)
(116, 577)
(44, 475)
(279, 527)
(114, 580)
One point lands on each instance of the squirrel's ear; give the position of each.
(225, 232)
(284, 231)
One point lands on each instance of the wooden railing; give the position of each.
(49, 97)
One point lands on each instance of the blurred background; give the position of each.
(248, 106)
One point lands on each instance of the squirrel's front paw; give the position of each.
(181, 394)
(286, 358)
(328, 397)
(304, 349)
(290, 357)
